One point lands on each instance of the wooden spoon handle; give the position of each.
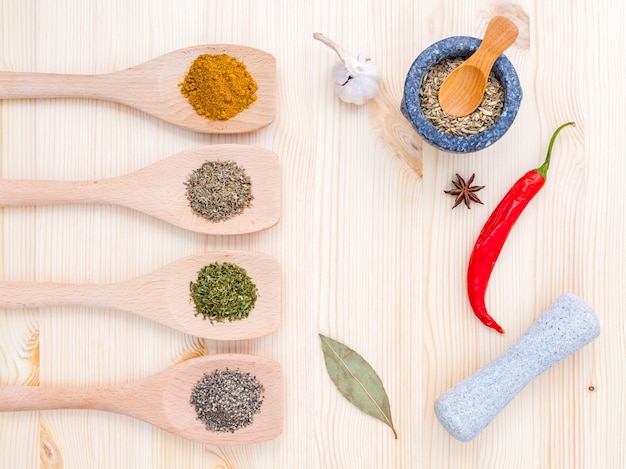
(54, 85)
(27, 398)
(123, 399)
(42, 294)
(501, 33)
(18, 193)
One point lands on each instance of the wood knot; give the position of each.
(49, 453)
(395, 130)
(217, 461)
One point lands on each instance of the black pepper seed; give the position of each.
(227, 400)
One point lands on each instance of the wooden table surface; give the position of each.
(371, 253)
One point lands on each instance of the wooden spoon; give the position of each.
(163, 295)
(152, 87)
(159, 190)
(462, 91)
(163, 399)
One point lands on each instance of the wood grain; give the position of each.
(370, 252)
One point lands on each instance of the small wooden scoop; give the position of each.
(152, 87)
(159, 190)
(163, 296)
(163, 399)
(462, 91)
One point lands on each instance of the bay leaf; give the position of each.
(356, 380)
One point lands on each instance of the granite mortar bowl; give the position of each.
(452, 47)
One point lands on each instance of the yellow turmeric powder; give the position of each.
(218, 86)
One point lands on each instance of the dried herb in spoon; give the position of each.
(219, 190)
(223, 292)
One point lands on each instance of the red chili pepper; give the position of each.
(495, 232)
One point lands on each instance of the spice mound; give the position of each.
(227, 400)
(218, 86)
(478, 121)
(223, 292)
(219, 190)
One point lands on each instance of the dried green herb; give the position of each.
(356, 380)
(223, 292)
(226, 400)
(219, 190)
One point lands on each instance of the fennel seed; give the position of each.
(478, 121)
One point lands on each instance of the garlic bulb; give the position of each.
(356, 77)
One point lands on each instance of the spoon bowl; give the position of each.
(152, 87)
(163, 296)
(159, 190)
(163, 399)
(463, 89)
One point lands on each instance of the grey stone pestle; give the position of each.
(468, 407)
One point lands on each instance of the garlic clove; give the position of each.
(356, 77)
(355, 90)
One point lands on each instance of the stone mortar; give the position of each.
(458, 46)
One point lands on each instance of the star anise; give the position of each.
(464, 191)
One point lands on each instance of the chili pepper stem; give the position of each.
(543, 169)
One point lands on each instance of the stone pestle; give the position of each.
(565, 327)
